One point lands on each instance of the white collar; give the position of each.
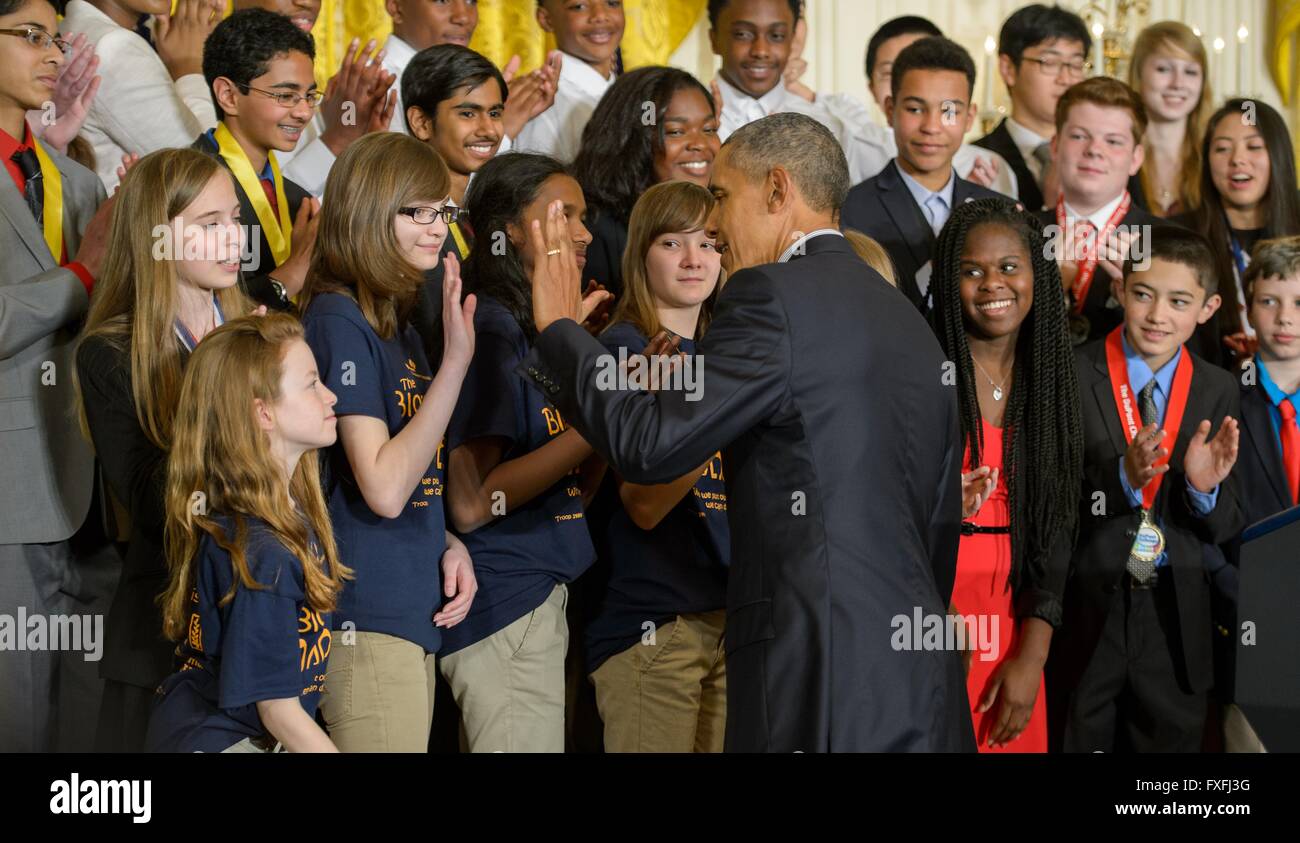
(735, 99)
(1099, 217)
(795, 246)
(576, 73)
(1025, 139)
(397, 54)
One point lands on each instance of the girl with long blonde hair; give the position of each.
(254, 570)
(668, 545)
(1170, 71)
(383, 230)
(170, 276)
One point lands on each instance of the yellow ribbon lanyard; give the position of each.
(277, 231)
(461, 246)
(52, 213)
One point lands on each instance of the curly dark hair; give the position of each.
(1042, 451)
(616, 162)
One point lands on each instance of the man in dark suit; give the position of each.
(1042, 51)
(841, 451)
(904, 207)
(1134, 671)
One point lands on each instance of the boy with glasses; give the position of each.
(1041, 53)
(259, 68)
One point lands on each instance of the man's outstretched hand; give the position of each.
(557, 283)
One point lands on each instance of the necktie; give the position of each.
(1043, 155)
(937, 210)
(268, 187)
(1147, 403)
(34, 185)
(1084, 242)
(1140, 569)
(1290, 448)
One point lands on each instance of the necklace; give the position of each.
(997, 387)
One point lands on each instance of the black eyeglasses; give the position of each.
(39, 38)
(424, 215)
(290, 99)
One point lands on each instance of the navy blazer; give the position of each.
(884, 209)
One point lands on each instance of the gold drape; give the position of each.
(509, 27)
(1282, 61)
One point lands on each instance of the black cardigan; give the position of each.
(135, 651)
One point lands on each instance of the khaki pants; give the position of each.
(378, 694)
(669, 696)
(510, 685)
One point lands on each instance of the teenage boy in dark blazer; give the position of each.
(1042, 51)
(1134, 671)
(250, 60)
(905, 206)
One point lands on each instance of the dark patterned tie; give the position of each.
(1140, 569)
(34, 184)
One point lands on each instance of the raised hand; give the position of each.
(984, 173)
(557, 284)
(179, 38)
(976, 488)
(1142, 454)
(1207, 464)
(359, 98)
(73, 94)
(598, 318)
(457, 317)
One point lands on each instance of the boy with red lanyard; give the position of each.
(1160, 440)
(1097, 147)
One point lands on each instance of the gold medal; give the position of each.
(1150, 540)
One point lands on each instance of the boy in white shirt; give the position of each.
(588, 35)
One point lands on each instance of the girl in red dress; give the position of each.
(1001, 319)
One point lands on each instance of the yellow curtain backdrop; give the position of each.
(507, 28)
(1286, 28)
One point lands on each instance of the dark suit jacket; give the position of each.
(843, 459)
(1098, 567)
(135, 651)
(883, 209)
(1261, 482)
(257, 272)
(1000, 141)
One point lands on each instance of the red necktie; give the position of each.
(1290, 448)
(268, 187)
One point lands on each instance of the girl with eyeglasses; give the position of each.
(413, 580)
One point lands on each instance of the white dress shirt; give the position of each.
(139, 108)
(797, 246)
(1099, 217)
(397, 55)
(1026, 141)
(557, 131)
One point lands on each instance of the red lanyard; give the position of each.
(1088, 265)
(1125, 402)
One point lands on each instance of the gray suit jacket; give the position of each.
(46, 465)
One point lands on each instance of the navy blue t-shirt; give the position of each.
(520, 556)
(678, 568)
(396, 561)
(265, 644)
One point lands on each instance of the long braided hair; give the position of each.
(1042, 449)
